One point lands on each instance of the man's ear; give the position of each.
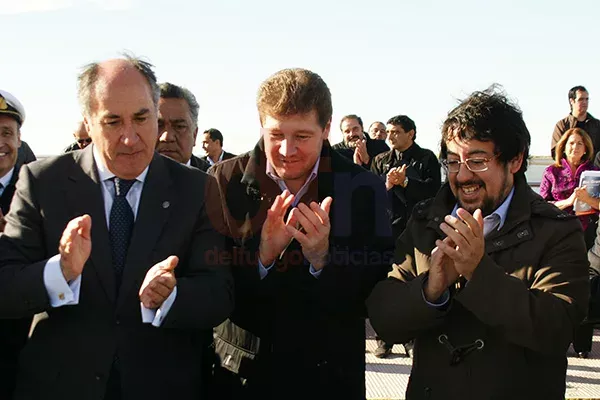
(19, 138)
(327, 130)
(411, 133)
(515, 164)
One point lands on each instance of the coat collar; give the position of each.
(260, 186)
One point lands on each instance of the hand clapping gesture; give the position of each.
(466, 245)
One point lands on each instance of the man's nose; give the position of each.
(464, 173)
(166, 135)
(129, 136)
(287, 147)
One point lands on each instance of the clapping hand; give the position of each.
(314, 236)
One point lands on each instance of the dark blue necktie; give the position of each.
(121, 226)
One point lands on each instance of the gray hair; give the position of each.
(170, 91)
(87, 80)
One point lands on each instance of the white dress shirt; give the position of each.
(211, 162)
(5, 180)
(62, 293)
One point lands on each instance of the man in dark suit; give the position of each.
(311, 240)
(13, 332)
(212, 143)
(123, 312)
(178, 125)
(177, 122)
(356, 145)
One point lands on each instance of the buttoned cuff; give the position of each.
(156, 317)
(60, 293)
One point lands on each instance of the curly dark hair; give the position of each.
(486, 116)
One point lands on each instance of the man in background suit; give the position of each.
(212, 143)
(82, 138)
(13, 332)
(178, 125)
(123, 312)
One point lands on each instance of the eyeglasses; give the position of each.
(86, 140)
(473, 164)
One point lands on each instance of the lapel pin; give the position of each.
(166, 204)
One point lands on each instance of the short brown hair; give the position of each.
(294, 91)
(562, 143)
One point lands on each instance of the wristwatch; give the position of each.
(405, 182)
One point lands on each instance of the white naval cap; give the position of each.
(11, 106)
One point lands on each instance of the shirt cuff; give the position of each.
(314, 272)
(60, 293)
(156, 317)
(440, 302)
(262, 270)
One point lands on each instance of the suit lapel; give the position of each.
(84, 196)
(154, 209)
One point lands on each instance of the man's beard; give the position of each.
(489, 204)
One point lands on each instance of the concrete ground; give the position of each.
(387, 378)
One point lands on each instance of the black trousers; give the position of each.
(113, 386)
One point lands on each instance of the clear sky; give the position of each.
(379, 58)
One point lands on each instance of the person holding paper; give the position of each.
(560, 182)
(561, 186)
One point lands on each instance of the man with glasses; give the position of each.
(82, 139)
(489, 279)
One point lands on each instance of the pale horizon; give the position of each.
(379, 58)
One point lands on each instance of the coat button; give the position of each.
(118, 321)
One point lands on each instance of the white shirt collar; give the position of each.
(5, 180)
(105, 174)
(189, 162)
(220, 158)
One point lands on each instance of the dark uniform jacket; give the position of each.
(374, 147)
(424, 180)
(505, 333)
(292, 335)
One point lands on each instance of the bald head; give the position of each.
(98, 76)
(119, 100)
